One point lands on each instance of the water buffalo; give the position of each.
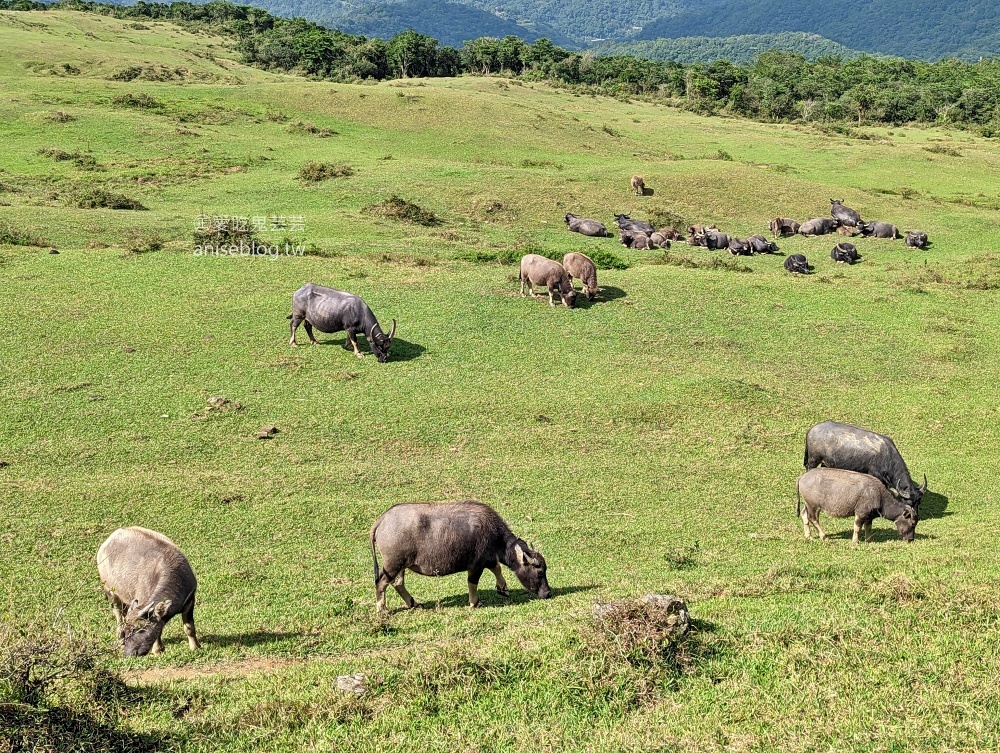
(638, 187)
(818, 226)
(847, 231)
(878, 230)
(846, 215)
(147, 580)
(592, 228)
(783, 226)
(635, 239)
(659, 239)
(448, 537)
(797, 264)
(838, 445)
(330, 310)
(583, 268)
(627, 223)
(670, 233)
(740, 247)
(841, 494)
(537, 270)
(845, 253)
(762, 245)
(714, 240)
(916, 238)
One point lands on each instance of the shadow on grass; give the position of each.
(488, 597)
(402, 350)
(879, 535)
(606, 295)
(247, 640)
(934, 505)
(28, 728)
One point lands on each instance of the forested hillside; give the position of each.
(925, 29)
(738, 49)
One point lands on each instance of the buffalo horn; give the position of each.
(393, 330)
(923, 488)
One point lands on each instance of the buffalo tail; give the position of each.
(798, 499)
(371, 540)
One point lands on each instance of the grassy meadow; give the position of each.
(646, 442)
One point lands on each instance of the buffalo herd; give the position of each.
(850, 471)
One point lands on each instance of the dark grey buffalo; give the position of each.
(583, 226)
(818, 226)
(448, 537)
(330, 310)
(845, 253)
(714, 240)
(797, 264)
(537, 270)
(783, 226)
(762, 245)
(841, 494)
(147, 580)
(740, 247)
(627, 223)
(878, 230)
(582, 267)
(852, 448)
(916, 238)
(846, 215)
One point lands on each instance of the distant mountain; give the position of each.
(927, 29)
(737, 49)
(450, 23)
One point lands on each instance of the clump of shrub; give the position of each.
(14, 236)
(949, 151)
(126, 74)
(605, 259)
(60, 117)
(140, 100)
(300, 126)
(317, 171)
(100, 198)
(217, 231)
(82, 161)
(405, 211)
(540, 163)
(139, 241)
(660, 217)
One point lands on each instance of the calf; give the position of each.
(841, 493)
(916, 239)
(783, 226)
(638, 187)
(583, 268)
(659, 239)
(537, 270)
(147, 580)
(635, 239)
(448, 537)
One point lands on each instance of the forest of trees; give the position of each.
(774, 86)
(739, 49)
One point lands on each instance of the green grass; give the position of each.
(647, 442)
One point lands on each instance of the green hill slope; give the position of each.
(646, 442)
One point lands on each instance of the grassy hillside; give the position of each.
(648, 442)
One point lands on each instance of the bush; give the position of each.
(310, 128)
(99, 198)
(141, 101)
(605, 259)
(126, 74)
(405, 211)
(13, 236)
(317, 171)
(138, 241)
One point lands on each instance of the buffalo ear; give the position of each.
(160, 610)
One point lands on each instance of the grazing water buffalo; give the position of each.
(147, 580)
(879, 230)
(762, 245)
(841, 494)
(783, 226)
(797, 264)
(330, 310)
(593, 228)
(537, 270)
(714, 240)
(583, 268)
(852, 448)
(627, 223)
(818, 226)
(740, 247)
(448, 537)
(846, 215)
(916, 238)
(638, 187)
(844, 253)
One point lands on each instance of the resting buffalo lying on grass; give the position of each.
(592, 228)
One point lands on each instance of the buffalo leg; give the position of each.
(354, 344)
(474, 576)
(868, 531)
(501, 583)
(188, 618)
(805, 523)
(857, 529)
(400, 587)
(309, 331)
(380, 586)
(158, 646)
(550, 297)
(296, 321)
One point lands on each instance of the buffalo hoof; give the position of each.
(503, 592)
(293, 344)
